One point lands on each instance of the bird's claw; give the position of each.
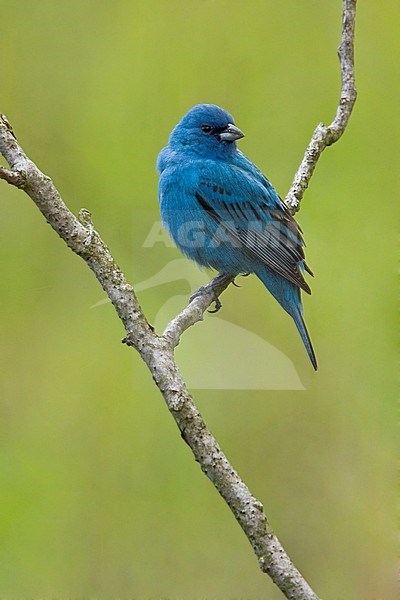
(218, 306)
(242, 275)
(197, 293)
(216, 300)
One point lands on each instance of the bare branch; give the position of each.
(199, 302)
(325, 136)
(11, 177)
(157, 351)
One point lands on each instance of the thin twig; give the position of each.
(199, 303)
(324, 136)
(157, 351)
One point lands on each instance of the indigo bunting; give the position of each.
(222, 212)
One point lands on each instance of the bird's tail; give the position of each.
(288, 296)
(305, 336)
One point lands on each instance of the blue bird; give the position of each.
(223, 213)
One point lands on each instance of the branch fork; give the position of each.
(158, 351)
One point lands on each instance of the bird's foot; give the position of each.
(218, 306)
(198, 293)
(205, 289)
(215, 287)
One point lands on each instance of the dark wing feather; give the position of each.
(261, 223)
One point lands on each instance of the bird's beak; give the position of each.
(231, 133)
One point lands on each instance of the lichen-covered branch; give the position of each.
(199, 303)
(11, 177)
(324, 136)
(158, 351)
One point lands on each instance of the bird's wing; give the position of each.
(250, 210)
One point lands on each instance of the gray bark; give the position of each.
(158, 350)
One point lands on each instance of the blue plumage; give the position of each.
(223, 213)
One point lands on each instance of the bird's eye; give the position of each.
(206, 128)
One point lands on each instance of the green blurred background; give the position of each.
(100, 498)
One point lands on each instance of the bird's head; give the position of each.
(206, 129)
